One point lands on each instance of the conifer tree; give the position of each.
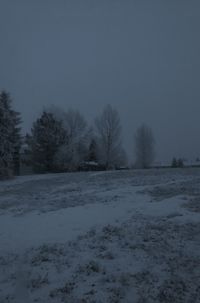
(47, 135)
(180, 163)
(10, 139)
(174, 163)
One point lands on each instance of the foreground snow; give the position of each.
(127, 236)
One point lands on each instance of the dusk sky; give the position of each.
(142, 57)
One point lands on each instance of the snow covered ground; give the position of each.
(124, 236)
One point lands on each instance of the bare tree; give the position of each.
(144, 147)
(74, 150)
(108, 129)
(73, 123)
(76, 126)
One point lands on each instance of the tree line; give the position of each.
(61, 141)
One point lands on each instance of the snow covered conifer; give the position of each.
(10, 139)
(17, 142)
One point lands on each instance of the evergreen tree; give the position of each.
(47, 135)
(174, 163)
(17, 142)
(177, 163)
(10, 137)
(180, 163)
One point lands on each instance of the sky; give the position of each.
(141, 56)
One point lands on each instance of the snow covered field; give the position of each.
(124, 236)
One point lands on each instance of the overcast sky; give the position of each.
(141, 56)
